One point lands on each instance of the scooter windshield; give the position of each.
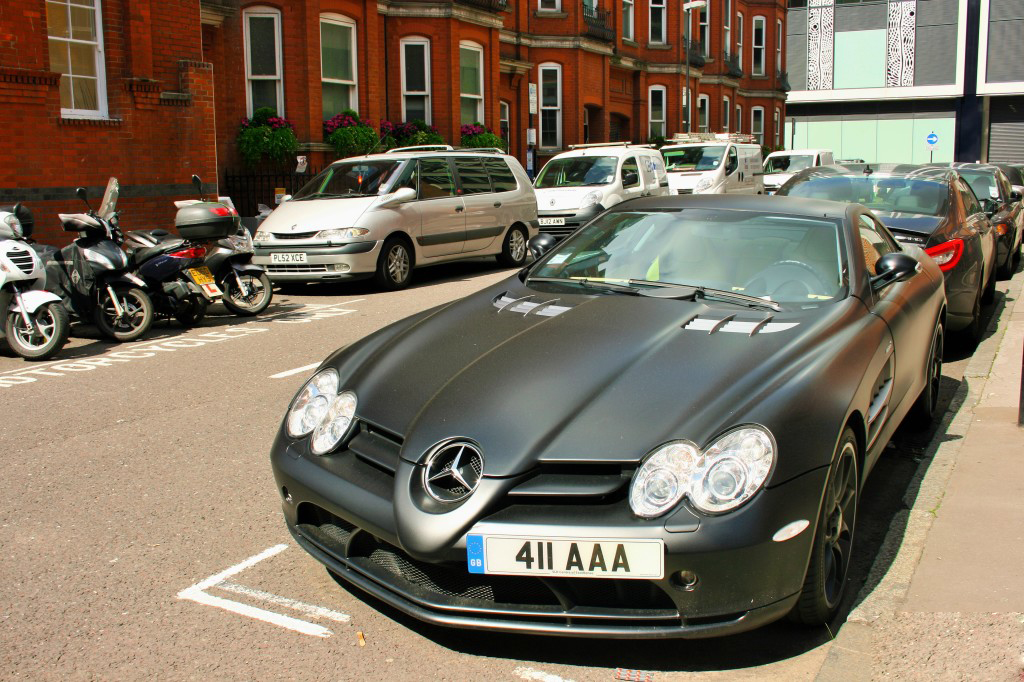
(109, 199)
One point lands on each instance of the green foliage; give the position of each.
(478, 135)
(266, 136)
(354, 140)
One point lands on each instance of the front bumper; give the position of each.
(357, 260)
(343, 510)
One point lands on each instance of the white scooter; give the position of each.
(35, 323)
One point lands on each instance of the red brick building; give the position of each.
(605, 69)
(95, 88)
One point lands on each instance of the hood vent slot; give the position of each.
(734, 324)
(525, 306)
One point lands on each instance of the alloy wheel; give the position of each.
(398, 263)
(841, 504)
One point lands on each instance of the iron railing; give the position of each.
(598, 23)
(782, 81)
(695, 54)
(250, 187)
(492, 5)
(732, 65)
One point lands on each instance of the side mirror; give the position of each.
(541, 244)
(285, 198)
(198, 184)
(402, 195)
(630, 178)
(894, 267)
(81, 194)
(1015, 195)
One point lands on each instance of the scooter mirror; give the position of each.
(80, 193)
(198, 184)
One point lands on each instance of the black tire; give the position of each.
(191, 313)
(136, 320)
(394, 266)
(1005, 271)
(828, 570)
(513, 248)
(970, 336)
(989, 294)
(260, 293)
(922, 413)
(45, 338)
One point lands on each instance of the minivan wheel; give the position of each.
(513, 249)
(394, 267)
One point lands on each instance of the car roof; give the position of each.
(416, 154)
(936, 173)
(811, 208)
(963, 165)
(792, 152)
(609, 150)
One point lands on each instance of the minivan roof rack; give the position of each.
(488, 150)
(424, 148)
(683, 138)
(599, 144)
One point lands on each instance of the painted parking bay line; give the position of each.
(297, 370)
(198, 593)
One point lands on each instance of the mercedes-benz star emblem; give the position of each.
(453, 471)
(551, 202)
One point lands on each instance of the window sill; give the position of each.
(80, 120)
(550, 14)
(631, 43)
(658, 46)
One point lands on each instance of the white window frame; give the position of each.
(778, 45)
(417, 40)
(739, 118)
(778, 115)
(739, 41)
(683, 110)
(102, 110)
(758, 134)
(586, 125)
(662, 6)
(628, 7)
(261, 10)
(704, 28)
(726, 111)
(754, 47)
(504, 121)
(704, 101)
(664, 110)
(342, 20)
(727, 28)
(557, 68)
(468, 44)
(542, 8)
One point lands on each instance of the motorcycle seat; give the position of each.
(139, 256)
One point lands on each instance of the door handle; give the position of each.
(460, 209)
(497, 204)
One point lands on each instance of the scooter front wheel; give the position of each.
(192, 312)
(252, 298)
(44, 337)
(134, 319)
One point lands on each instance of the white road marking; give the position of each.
(525, 673)
(198, 594)
(297, 370)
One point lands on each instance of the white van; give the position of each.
(781, 166)
(577, 185)
(703, 163)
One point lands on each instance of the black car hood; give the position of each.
(910, 222)
(555, 377)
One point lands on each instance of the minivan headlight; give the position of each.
(591, 199)
(340, 234)
(718, 479)
(703, 184)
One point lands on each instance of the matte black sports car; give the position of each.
(659, 429)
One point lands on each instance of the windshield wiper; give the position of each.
(692, 291)
(589, 284)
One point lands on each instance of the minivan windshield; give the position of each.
(888, 193)
(773, 257)
(696, 158)
(577, 171)
(787, 163)
(355, 178)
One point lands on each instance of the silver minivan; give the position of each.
(382, 215)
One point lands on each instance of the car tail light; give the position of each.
(191, 252)
(947, 254)
(1002, 228)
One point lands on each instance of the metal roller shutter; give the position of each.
(1006, 142)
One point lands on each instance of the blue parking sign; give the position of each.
(932, 139)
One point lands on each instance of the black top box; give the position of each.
(209, 220)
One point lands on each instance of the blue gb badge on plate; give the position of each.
(475, 553)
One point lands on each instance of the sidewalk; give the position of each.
(950, 605)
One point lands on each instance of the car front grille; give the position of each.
(301, 268)
(294, 235)
(684, 191)
(560, 232)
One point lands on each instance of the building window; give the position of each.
(757, 124)
(503, 121)
(739, 118)
(703, 105)
(263, 60)
(627, 19)
(550, 106)
(75, 38)
(338, 64)
(739, 44)
(757, 67)
(416, 79)
(778, 141)
(657, 23)
(702, 30)
(778, 45)
(726, 110)
(550, 5)
(727, 27)
(471, 79)
(687, 118)
(586, 125)
(656, 111)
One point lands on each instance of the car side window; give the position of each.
(473, 178)
(436, 179)
(630, 166)
(409, 177)
(971, 205)
(733, 163)
(1004, 188)
(874, 243)
(502, 178)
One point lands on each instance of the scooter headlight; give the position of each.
(14, 224)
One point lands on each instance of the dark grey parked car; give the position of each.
(659, 429)
(930, 207)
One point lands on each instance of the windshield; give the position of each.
(983, 184)
(350, 178)
(109, 203)
(780, 257)
(890, 194)
(787, 164)
(697, 158)
(577, 171)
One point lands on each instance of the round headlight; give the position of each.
(722, 477)
(591, 199)
(15, 225)
(312, 403)
(703, 184)
(335, 424)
